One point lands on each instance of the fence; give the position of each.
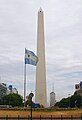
(43, 118)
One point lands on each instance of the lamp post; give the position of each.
(30, 97)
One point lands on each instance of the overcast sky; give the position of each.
(63, 42)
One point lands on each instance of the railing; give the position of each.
(43, 118)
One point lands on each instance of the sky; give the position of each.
(63, 43)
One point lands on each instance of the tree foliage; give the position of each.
(64, 103)
(76, 101)
(12, 99)
(70, 102)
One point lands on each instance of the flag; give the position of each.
(30, 57)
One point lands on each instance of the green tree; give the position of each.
(1, 101)
(12, 99)
(75, 101)
(28, 102)
(64, 103)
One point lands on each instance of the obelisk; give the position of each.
(40, 94)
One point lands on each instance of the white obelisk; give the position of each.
(40, 94)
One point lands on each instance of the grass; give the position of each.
(23, 113)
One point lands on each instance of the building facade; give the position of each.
(52, 99)
(3, 90)
(14, 90)
(78, 88)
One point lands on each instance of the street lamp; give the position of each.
(30, 97)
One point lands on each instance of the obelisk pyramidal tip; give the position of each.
(40, 10)
(40, 95)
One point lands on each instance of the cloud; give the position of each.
(63, 41)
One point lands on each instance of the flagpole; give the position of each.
(28, 60)
(24, 83)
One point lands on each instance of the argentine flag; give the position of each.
(30, 57)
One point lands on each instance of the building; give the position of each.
(78, 88)
(52, 99)
(3, 90)
(14, 90)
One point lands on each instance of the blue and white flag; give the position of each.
(30, 57)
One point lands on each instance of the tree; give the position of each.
(73, 101)
(12, 99)
(27, 103)
(64, 103)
